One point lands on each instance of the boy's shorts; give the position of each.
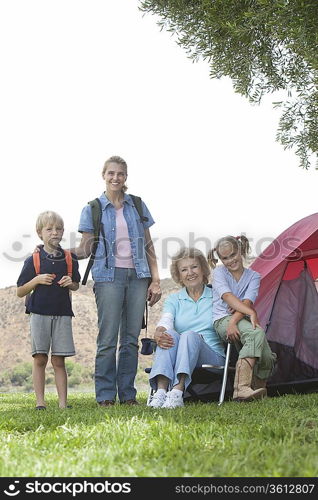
(53, 332)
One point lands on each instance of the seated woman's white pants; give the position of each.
(189, 351)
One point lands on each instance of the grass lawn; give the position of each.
(276, 437)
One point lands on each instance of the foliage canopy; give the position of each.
(264, 46)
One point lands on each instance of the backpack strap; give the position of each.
(69, 262)
(36, 262)
(96, 209)
(138, 205)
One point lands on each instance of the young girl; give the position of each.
(235, 289)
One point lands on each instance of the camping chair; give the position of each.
(206, 374)
(223, 369)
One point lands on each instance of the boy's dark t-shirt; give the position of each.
(51, 300)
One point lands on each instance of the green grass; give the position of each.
(276, 437)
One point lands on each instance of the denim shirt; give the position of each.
(104, 269)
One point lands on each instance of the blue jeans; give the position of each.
(189, 351)
(120, 309)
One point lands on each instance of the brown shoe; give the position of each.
(130, 402)
(107, 402)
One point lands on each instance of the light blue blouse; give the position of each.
(195, 316)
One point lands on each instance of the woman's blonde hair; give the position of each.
(189, 253)
(238, 243)
(46, 218)
(119, 161)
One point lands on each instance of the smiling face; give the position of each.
(231, 257)
(115, 176)
(190, 272)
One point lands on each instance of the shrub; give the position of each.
(74, 380)
(78, 374)
(20, 373)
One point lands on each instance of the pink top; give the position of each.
(123, 256)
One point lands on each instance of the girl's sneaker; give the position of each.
(158, 399)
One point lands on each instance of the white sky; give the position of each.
(82, 80)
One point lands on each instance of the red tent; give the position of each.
(287, 305)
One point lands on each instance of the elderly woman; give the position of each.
(184, 335)
(125, 275)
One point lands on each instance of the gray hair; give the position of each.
(191, 253)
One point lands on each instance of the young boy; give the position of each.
(50, 306)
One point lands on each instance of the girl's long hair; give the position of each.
(239, 243)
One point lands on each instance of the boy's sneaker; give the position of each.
(158, 399)
(173, 399)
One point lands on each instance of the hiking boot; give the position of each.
(174, 399)
(259, 383)
(243, 381)
(107, 402)
(129, 402)
(158, 399)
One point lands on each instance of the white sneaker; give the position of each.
(158, 399)
(173, 399)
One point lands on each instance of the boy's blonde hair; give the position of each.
(46, 218)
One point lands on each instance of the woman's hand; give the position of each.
(162, 338)
(154, 293)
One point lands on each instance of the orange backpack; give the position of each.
(36, 263)
(68, 260)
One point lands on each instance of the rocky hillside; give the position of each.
(14, 325)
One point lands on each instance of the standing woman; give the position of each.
(125, 275)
